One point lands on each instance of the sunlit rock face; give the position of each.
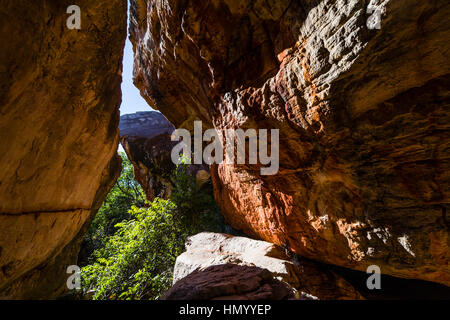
(59, 105)
(363, 115)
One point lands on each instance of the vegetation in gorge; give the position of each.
(134, 258)
(125, 194)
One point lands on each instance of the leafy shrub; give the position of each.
(137, 261)
(125, 194)
(197, 210)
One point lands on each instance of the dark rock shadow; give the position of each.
(229, 282)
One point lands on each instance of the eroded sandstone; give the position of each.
(363, 118)
(59, 105)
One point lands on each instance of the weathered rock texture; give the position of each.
(303, 277)
(144, 124)
(59, 106)
(146, 138)
(363, 116)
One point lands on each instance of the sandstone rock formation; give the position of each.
(59, 113)
(146, 138)
(305, 278)
(363, 115)
(144, 124)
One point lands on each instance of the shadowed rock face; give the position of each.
(146, 138)
(363, 117)
(59, 112)
(229, 282)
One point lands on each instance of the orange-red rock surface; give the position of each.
(363, 117)
(59, 115)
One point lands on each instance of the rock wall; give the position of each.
(363, 115)
(59, 113)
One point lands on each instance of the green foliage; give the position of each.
(196, 209)
(125, 194)
(137, 261)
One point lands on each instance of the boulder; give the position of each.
(229, 282)
(144, 124)
(305, 279)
